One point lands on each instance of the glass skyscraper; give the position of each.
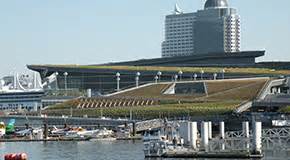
(214, 29)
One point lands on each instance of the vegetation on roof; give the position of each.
(228, 90)
(150, 112)
(285, 110)
(263, 71)
(223, 98)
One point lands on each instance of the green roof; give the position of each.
(258, 71)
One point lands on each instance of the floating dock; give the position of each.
(44, 140)
(193, 154)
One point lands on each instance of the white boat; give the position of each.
(159, 144)
(72, 134)
(88, 133)
(104, 135)
(154, 146)
(103, 139)
(123, 133)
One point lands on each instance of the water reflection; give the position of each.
(103, 150)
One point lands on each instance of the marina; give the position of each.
(71, 90)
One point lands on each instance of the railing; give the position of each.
(277, 138)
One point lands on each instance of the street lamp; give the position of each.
(194, 76)
(180, 75)
(159, 73)
(223, 73)
(156, 79)
(56, 83)
(118, 80)
(65, 80)
(137, 79)
(201, 74)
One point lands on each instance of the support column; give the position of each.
(209, 130)
(89, 93)
(193, 134)
(257, 135)
(279, 89)
(246, 131)
(204, 135)
(222, 135)
(222, 130)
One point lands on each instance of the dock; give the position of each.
(45, 140)
(199, 154)
(204, 145)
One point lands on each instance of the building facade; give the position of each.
(216, 28)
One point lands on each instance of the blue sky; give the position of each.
(98, 31)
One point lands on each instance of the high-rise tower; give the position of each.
(214, 29)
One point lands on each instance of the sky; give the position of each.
(100, 31)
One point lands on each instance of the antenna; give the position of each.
(177, 9)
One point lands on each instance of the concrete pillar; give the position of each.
(193, 134)
(257, 135)
(246, 129)
(222, 130)
(209, 130)
(188, 133)
(279, 90)
(204, 135)
(222, 135)
(184, 132)
(89, 93)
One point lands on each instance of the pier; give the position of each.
(139, 126)
(202, 143)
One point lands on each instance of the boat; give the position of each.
(15, 97)
(123, 133)
(158, 144)
(2, 129)
(103, 139)
(104, 134)
(154, 145)
(76, 133)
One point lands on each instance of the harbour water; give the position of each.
(103, 150)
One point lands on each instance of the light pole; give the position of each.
(195, 76)
(118, 80)
(65, 80)
(180, 75)
(56, 83)
(159, 73)
(137, 79)
(156, 79)
(201, 74)
(214, 76)
(223, 73)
